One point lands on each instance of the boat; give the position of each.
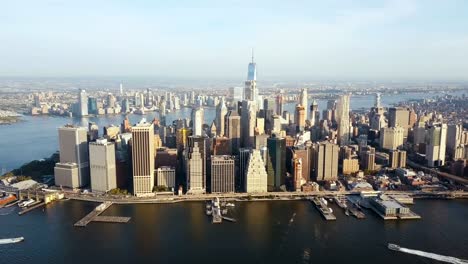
(230, 205)
(347, 212)
(393, 247)
(11, 240)
(26, 203)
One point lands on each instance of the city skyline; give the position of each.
(401, 40)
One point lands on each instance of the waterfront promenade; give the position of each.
(268, 196)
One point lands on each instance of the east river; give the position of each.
(265, 232)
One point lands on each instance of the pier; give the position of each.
(95, 216)
(229, 219)
(326, 212)
(31, 207)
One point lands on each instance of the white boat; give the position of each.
(26, 203)
(11, 240)
(230, 205)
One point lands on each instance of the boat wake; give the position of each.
(420, 253)
(6, 211)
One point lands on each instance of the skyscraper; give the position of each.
(250, 90)
(252, 70)
(314, 114)
(195, 181)
(197, 121)
(165, 176)
(300, 117)
(103, 166)
(276, 162)
(73, 169)
(221, 112)
(397, 159)
(399, 116)
(143, 158)
(256, 175)
(248, 121)
(279, 104)
(82, 103)
(436, 140)
(304, 100)
(233, 130)
(454, 138)
(343, 120)
(222, 174)
(326, 161)
(244, 154)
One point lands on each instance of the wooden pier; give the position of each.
(95, 216)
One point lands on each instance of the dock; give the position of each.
(326, 212)
(390, 209)
(94, 216)
(31, 207)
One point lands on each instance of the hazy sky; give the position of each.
(292, 39)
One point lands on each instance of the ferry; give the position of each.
(11, 240)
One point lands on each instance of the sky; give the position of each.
(309, 40)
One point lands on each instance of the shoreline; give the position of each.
(251, 198)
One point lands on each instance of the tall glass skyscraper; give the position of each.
(252, 71)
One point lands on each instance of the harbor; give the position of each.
(95, 216)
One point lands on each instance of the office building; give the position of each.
(233, 130)
(436, 140)
(342, 120)
(248, 123)
(165, 176)
(454, 138)
(102, 165)
(300, 118)
(350, 166)
(391, 138)
(276, 162)
(314, 114)
(73, 169)
(222, 174)
(221, 112)
(197, 121)
(399, 117)
(195, 177)
(326, 161)
(143, 158)
(256, 176)
(82, 103)
(397, 159)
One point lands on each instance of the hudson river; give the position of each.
(265, 232)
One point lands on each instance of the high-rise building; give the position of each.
(350, 166)
(314, 114)
(391, 137)
(248, 121)
(92, 106)
(252, 70)
(454, 138)
(368, 158)
(222, 174)
(143, 158)
(276, 162)
(102, 165)
(397, 159)
(342, 120)
(298, 180)
(256, 175)
(233, 130)
(73, 169)
(221, 112)
(326, 161)
(244, 154)
(300, 118)
(399, 116)
(165, 176)
(204, 149)
(197, 121)
(436, 140)
(195, 178)
(279, 104)
(303, 100)
(83, 103)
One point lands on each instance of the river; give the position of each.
(265, 232)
